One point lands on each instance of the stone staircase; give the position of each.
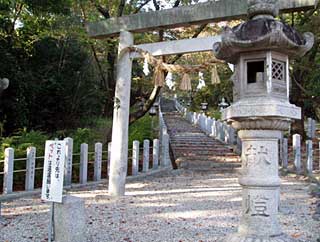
(193, 149)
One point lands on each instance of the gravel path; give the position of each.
(175, 206)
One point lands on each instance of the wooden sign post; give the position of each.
(53, 173)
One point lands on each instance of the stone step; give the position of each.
(204, 165)
(218, 159)
(195, 150)
(204, 154)
(197, 143)
(207, 149)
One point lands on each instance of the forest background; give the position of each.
(62, 82)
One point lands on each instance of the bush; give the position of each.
(23, 139)
(214, 113)
(142, 129)
(82, 135)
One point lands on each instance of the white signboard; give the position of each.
(53, 170)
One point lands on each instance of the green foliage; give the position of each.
(142, 129)
(211, 93)
(82, 135)
(23, 139)
(305, 71)
(50, 6)
(53, 82)
(214, 113)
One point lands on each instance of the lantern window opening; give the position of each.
(278, 70)
(254, 70)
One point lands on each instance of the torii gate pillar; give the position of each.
(120, 126)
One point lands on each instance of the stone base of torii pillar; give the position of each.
(260, 181)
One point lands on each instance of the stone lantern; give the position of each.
(204, 106)
(153, 111)
(260, 50)
(223, 104)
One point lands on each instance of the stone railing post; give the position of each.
(83, 163)
(314, 128)
(309, 156)
(239, 145)
(135, 158)
(209, 126)
(297, 152)
(311, 128)
(214, 128)
(31, 165)
(97, 161)
(190, 117)
(232, 135)
(204, 122)
(226, 133)
(8, 170)
(146, 150)
(165, 150)
(160, 127)
(194, 118)
(285, 153)
(221, 131)
(155, 154)
(201, 121)
(68, 161)
(218, 135)
(109, 158)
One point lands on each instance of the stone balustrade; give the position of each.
(143, 158)
(290, 157)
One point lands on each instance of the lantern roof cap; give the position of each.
(262, 32)
(258, 8)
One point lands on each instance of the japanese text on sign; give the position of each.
(52, 183)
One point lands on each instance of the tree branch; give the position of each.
(308, 95)
(121, 8)
(156, 5)
(141, 6)
(94, 52)
(102, 10)
(18, 10)
(177, 3)
(156, 90)
(195, 35)
(136, 115)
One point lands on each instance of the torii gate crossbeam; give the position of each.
(176, 47)
(212, 11)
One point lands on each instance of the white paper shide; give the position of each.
(53, 170)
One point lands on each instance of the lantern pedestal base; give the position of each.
(260, 182)
(261, 107)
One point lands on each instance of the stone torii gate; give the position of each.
(125, 26)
